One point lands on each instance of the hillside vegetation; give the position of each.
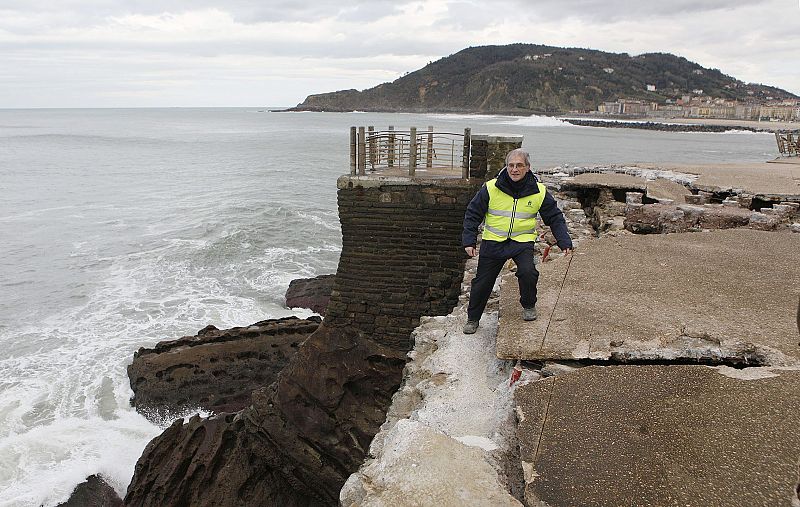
(522, 79)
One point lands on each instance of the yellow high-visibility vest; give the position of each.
(509, 218)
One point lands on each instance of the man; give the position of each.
(509, 204)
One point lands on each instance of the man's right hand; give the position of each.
(471, 251)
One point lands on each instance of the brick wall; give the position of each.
(401, 255)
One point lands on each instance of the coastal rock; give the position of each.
(94, 492)
(312, 293)
(215, 370)
(303, 435)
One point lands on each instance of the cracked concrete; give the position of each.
(708, 297)
(660, 435)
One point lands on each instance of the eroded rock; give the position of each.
(215, 370)
(312, 293)
(94, 492)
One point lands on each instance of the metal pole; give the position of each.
(465, 159)
(429, 157)
(412, 153)
(390, 156)
(352, 151)
(362, 156)
(371, 131)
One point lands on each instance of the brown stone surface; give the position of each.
(312, 293)
(308, 431)
(93, 492)
(727, 295)
(667, 218)
(216, 370)
(683, 436)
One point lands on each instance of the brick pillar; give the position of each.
(489, 153)
(401, 254)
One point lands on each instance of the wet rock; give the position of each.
(94, 492)
(312, 427)
(312, 293)
(215, 370)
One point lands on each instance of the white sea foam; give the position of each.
(535, 121)
(42, 465)
(64, 407)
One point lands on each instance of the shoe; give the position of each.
(470, 327)
(529, 313)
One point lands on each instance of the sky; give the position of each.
(206, 53)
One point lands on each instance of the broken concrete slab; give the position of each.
(655, 189)
(726, 296)
(660, 435)
(772, 182)
(421, 466)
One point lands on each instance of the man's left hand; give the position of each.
(567, 251)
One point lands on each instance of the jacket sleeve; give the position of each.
(553, 217)
(476, 211)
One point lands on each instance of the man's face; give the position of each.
(517, 167)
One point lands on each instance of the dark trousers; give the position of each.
(493, 255)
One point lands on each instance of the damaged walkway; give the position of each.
(725, 296)
(660, 433)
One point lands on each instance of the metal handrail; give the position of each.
(412, 149)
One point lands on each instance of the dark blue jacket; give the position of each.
(551, 215)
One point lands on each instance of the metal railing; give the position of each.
(375, 150)
(788, 143)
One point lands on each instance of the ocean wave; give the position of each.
(535, 121)
(65, 375)
(42, 465)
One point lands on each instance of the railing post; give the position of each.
(412, 152)
(390, 154)
(465, 159)
(353, 151)
(372, 160)
(429, 150)
(362, 156)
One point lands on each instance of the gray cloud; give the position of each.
(138, 52)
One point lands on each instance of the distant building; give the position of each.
(651, 88)
(608, 70)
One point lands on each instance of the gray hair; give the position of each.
(519, 151)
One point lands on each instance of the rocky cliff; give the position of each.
(303, 435)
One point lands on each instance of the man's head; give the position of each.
(518, 163)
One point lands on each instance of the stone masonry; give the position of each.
(488, 153)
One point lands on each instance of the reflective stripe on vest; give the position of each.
(509, 218)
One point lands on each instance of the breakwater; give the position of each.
(651, 125)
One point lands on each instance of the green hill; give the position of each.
(523, 79)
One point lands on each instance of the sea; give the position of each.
(120, 228)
